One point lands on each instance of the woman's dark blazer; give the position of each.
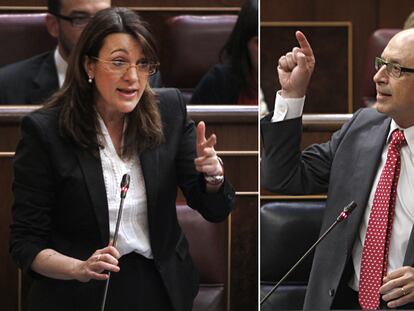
(60, 203)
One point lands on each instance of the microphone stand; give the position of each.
(343, 215)
(124, 190)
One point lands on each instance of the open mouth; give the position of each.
(127, 92)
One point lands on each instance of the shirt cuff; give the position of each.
(287, 108)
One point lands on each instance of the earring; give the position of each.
(90, 79)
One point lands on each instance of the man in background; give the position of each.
(32, 81)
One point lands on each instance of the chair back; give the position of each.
(23, 36)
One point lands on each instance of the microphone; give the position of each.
(124, 190)
(347, 210)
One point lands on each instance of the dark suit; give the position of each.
(345, 168)
(60, 203)
(33, 80)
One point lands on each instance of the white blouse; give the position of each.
(133, 233)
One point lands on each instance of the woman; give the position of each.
(103, 123)
(234, 80)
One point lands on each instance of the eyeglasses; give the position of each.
(393, 70)
(76, 21)
(120, 67)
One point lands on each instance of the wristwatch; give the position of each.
(215, 180)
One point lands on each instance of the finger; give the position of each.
(290, 61)
(97, 276)
(211, 141)
(393, 294)
(104, 266)
(209, 169)
(301, 60)
(283, 65)
(391, 284)
(201, 133)
(109, 258)
(304, 44)
(397, 273)
(109, 250)
(403, 300)
(205, 160)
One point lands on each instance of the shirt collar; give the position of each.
(408, 133)
(61, 66)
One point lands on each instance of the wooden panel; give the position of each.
(8, 271)
(244, 251)
(392, 14)
(325, 94)
(143, 3)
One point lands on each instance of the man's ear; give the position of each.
(52, 25)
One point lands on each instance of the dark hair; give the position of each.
(235, 52)
(78, 118)
(53, 6)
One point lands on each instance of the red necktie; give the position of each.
(374, 260)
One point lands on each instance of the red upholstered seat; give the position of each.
(191, 47)
(376, 44)
(208, 248)
(23, 36)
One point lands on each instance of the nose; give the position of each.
(381, 76)
(131, 74)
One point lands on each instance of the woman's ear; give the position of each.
(89, 65)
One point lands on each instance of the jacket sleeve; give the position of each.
(214, 207)
(33, 196)
(288, 170)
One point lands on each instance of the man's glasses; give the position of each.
(393, 70)
(120, 67)
(76, 21)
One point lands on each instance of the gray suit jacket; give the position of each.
(345, 168)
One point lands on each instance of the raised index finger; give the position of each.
(201, 136)
(304, 44)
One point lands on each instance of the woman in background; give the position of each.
(234, 80)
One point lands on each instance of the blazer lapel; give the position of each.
(150, 169)
(92, 171)
(366, 166)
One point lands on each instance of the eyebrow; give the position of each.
(392, 60)
(79, 13)
(119, 50)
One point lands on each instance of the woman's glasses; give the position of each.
(143, 67)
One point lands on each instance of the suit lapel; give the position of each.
(45, 81)
(366, 166)
(92, 171)
(150, 169)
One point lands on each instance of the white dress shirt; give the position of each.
(61, 67)
(404, 209)
(133, 233)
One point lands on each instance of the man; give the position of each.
(32, 81)
(366, 261)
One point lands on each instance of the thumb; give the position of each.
(301, 60)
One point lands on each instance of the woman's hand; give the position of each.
(207, 161)
(105, 259)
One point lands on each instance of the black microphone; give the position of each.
(342, 216)
(124, 190)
